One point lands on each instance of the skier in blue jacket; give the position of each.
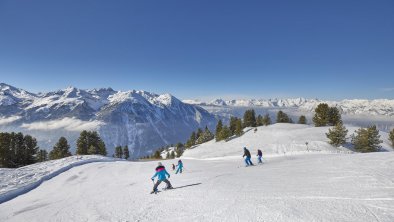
(161, 174)
(180, 167)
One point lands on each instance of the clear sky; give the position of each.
(324, 49)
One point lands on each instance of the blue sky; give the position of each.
(202, 49)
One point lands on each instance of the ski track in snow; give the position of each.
(321, 187)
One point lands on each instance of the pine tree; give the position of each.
(89, 142)
(92, 150)
(391, 137)
(157, 154)
(337, 135)
(126, 152)
(259, 120)
(266, 120)
(321, 117)
(334, 117)
(205, 137)
(238, 128)
(219, 127)
(83, 143)
(367, 140)
(17, 150)
(60, 150)
(30, 150)
(302, 120)
(198, 134)
(225, 133)
(42, 156)
(179, 149)
(233, 123)
(172, 155)
(249, 118)
(118, 152)
(168, 155)
(282, 117)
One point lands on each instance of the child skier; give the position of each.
(161, 173)
(259, 156)
(180, 167)
(173, 167)
(248, 156)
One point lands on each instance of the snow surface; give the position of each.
(18, 181)
(273, 140)
(326, 186)
(340, 187)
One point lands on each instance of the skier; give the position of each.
(161, 173)
(173, 167)
(180, 167)
(248, 156)
(259, 156)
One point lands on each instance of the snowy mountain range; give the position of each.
(382, 107)
(142, 120)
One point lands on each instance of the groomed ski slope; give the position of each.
(338, 187)
(275, 140)
(215, 185)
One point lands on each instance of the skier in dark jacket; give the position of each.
(248, 156)
(259, 155)
(161, 174)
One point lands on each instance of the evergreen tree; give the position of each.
(282, 117)
(60, 150)
(118, 152)
(192, 140)
(157, 155)
(205, 137)
(17, 150)
(179, 149)
(233, 124)
(337, 135)
(83, 143)
(302, 120)
(266, 120)
(219, 127)
(172, 155)
(92, 150)
(89, 142)
(30, 150)
(259, 120)
(198, 134)
(321, 117)
(225, 133)
(334, 117)
(391, 137)
(367, 140)
(249, 118)
(168, 155)
(126, 152)
(238, 127)
(42, 156)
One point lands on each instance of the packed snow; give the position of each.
(276, 140)
(216, 185)
(340, 187)
(21, 180)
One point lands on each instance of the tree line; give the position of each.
(18, 150)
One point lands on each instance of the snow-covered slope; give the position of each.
(142, 120)
(15, 182)
(338, 187)
(273, 140)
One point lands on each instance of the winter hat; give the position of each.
(244, 148)
(159, 164)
